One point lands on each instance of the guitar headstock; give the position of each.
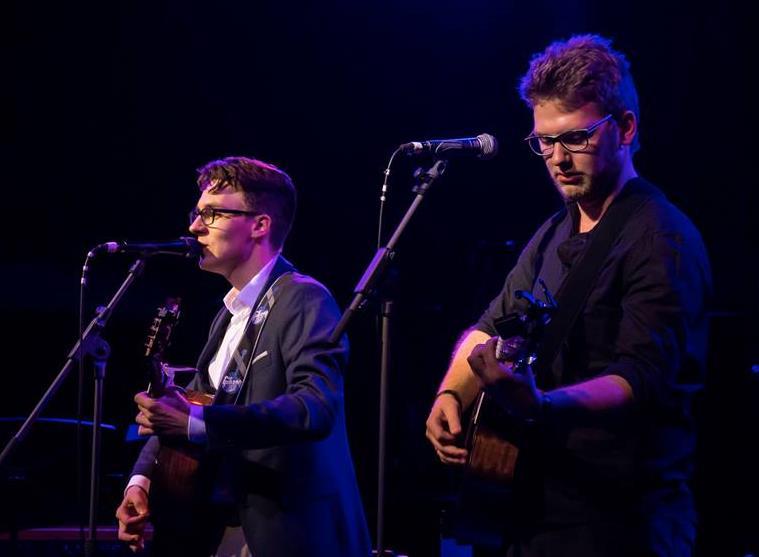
(159, 336)
(520, 333)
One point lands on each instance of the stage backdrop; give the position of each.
(111, 106)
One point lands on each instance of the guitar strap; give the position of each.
(579, 282)
(231, 384)
(224, 492)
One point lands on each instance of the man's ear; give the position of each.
(628, 128)
(261, 226)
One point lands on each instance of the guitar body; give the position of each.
(497, 475)
(486, 505)
(181, 478)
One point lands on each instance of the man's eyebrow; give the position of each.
(538, 134)
(573, 130)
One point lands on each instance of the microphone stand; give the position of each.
(371, 277)
(90, 344)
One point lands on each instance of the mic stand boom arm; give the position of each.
(93, 345)
(375, 271)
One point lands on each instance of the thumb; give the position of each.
(140, 505)
(452, 417)
(139, 500)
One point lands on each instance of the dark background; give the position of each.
(112, 105)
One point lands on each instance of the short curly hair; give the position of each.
(267, 189)
(582, 69)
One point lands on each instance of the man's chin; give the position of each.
(572, 193)
(211, 265)
(206, 264)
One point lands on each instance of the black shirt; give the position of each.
(644, 320)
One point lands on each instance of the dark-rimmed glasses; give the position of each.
(574, 141)
(208, 214)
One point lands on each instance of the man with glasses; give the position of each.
(274, 438)
(611, 437)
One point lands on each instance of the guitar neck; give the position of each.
(156, 343)
(157, 385)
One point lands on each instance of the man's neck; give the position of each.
(591, 211)
(245, 272)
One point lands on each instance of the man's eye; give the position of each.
(546, 141)
(574, 138)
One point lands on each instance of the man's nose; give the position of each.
(197, 226)
(560, 156)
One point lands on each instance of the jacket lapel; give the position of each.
(222, 319)
(281, 267)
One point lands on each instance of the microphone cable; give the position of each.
(383, 196)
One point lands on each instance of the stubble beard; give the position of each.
(591, 189)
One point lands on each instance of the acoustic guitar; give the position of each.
(179, 480)
(493, 475)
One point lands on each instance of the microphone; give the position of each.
(186, 246)
(484, 146)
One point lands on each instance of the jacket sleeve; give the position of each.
(146, 459)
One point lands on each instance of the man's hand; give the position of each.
(166, 415)
(444, 429)
(515, 390)
(133, 515)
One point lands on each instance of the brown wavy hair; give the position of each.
(267, 189)
(582, 69)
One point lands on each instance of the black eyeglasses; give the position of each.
(208, 214)
(574, 141)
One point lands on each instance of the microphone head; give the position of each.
(411, 148)
(488, 146)
(484, 146)
(194, 249)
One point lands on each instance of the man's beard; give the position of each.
(595, 189)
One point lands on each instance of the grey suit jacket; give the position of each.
(286, 437)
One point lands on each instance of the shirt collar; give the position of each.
(241, 300)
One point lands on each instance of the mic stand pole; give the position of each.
(371, 277)
(90, 344)
(100, 360)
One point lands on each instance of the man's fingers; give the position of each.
(130, 532)
(143, 399)
(438, 435)
(488, 352)
(122, 513)
(142, 430)
(135, 541)
(136, 519)
(144, 427)
(453, 420)
(133, 514)
(445, 446)
(439, 424)
(476, 354)
(452, 455)
(452, 451)
(440, 440)
(140, 504)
